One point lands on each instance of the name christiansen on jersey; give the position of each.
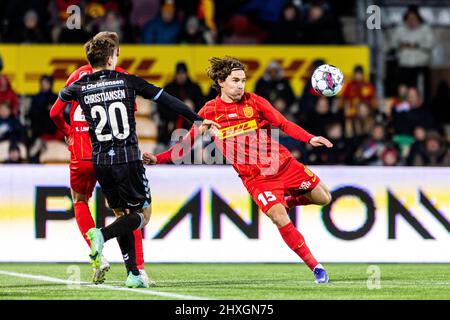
(104, 96)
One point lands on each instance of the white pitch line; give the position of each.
(101, 286)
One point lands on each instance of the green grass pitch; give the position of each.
(227, 281)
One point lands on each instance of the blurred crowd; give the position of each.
(172, 21)
(411, 126)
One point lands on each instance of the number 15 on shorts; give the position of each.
(265, 197)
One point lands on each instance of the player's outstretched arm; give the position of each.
(176, 152)
(181, 148)
(291, 129)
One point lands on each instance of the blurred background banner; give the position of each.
(24, 65)
(377, 215)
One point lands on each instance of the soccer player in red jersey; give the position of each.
(82, 174)
(267, 169)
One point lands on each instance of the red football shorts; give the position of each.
(293, 178)
(82, 177)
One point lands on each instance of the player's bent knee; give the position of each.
(78, 197)
(325, 198)
(278, 215)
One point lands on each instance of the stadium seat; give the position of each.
(55, 152)
(145, 127)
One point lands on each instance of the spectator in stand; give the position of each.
(32, 31)
(418, 146)
(318, 120)
(309, 97)
(390, 157)
(402, 93)
(369, 152)
(241, 30)
(41, 124)
(355, 91)
(204, 11)
(341, 152)
(193, 33)
(8, 95)
(12, 15)
(112, 22)
(434, 152)
(364, 121)
(10, 127)
(410, 113)
(186, 90)
(14, 156)
(414, 40)
(321, 27)
(274, 87)
(287, 30)
(143, 11)
(42, 127)
(164, 29)
(440, 106)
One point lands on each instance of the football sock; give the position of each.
(123, 225)
(84, 219)
(296, 242)
(138, 248)
(126, 244)
(300, 200)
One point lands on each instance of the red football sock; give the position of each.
(296, 242)
(300, 200)
(138, 249)
(84, 219)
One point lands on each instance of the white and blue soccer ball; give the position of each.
(327, 80)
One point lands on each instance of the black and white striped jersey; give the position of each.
(107, 99)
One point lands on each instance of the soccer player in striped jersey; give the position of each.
(82, 175)
(107, 99)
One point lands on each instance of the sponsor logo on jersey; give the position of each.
(248, 111)
(238, 129)
(218, 117)
(232, 115)
(305, 185)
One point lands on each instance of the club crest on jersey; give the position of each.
(248, 111)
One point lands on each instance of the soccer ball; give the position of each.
(327, 80)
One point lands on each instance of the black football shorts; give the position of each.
(124, 185)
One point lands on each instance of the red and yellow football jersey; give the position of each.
(246, 138)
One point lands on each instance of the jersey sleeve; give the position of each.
(181, 148)
(152, 92)
(68, 93)
(56, 114)
(145, 89)
(276, 119)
